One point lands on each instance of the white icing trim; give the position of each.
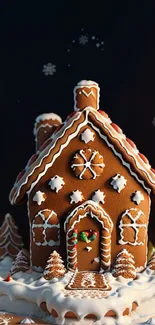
(86, 204)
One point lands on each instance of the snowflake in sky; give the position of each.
(83, 39)
(153, 121)
(49, 69)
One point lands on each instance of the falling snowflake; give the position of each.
(153, 121)
(49, 69)
(83, 39)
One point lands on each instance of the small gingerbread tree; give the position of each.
(54, 267)
(151, 262)
(124, 265)
(10, 240)
(21, 263)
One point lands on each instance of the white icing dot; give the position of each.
(39, 197)
(87, 136)
(137, 197)
(118, 183)
(97, 44)
(56, 183)
(98, 196)
(76, 197)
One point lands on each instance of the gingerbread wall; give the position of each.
(115, 203)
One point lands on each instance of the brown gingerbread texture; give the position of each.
(88, 191)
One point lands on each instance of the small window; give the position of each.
(133, 227)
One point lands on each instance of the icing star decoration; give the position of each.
(137, 197)
(76, 197)
(98, 196)
(118, 182)
(56, 183)
(87, 136)
(39, 197)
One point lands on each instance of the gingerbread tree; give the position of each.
(124, 265)
(151, 262)
(10, 240)
(21, 262)
(55, 267)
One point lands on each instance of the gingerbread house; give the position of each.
(87, 189)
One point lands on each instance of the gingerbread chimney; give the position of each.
(45, 125)
(86, 93)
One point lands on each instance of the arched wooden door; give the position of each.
(88, 238)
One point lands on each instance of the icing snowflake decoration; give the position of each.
(56, 183)
(137, 197)
(87, 136)
(87, 164)
(49, 69)
(98, 197)
(39, 197)
(118, 182)
(76, 197)
(45, 220)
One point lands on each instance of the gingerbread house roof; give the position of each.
(124, 148)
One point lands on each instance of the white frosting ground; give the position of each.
(30, 290)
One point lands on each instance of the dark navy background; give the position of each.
(36, 34)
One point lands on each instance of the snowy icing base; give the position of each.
(27, 291)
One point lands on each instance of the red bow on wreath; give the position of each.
(88, 236)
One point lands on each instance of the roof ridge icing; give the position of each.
(146, 175)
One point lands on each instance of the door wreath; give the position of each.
(88, 235)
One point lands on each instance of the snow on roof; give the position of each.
(124, 148)
(87, 83)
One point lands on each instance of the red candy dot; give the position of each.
(143, 158)
(71, 115)
(58, 128)
(132, 144)
(103, 113)
(116, 127)
(20, 175)
(45, 144)
(32, 159)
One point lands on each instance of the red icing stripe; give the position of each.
(58, 128)
(45, 144)
(117, 128)
(103, 113)
(19, 176)
(143, 158)
(70, 115)
(153, 170)
(32, 159)
(132, 144)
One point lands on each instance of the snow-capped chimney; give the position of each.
(45, 125)
(86, 93)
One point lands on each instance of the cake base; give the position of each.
(30, 293)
